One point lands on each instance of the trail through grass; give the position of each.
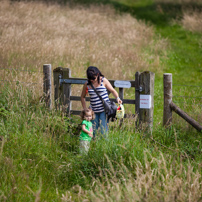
(39, 158)
(185, 47)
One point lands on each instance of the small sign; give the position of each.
(122, 84)
(145, 101)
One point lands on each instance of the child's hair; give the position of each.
(83, 113)
(92, 72)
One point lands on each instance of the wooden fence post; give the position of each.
(66, 91)
(47, 84)
(137, 96)
(121, 95)
(57, 73)
(62, 90)
(167, 111)
(146, 100)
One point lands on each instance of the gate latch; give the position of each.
(60, 80)
(140, 89)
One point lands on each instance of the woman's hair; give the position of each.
(83, 113)
(92, 72)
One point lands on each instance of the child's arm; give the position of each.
(86, 131)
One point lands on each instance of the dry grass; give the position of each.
(192, 21)
(192, 18)
(33, 34)
(30, 79)
(166, 182)
(178, 1)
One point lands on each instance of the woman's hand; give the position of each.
(119, 100)
(109, 87)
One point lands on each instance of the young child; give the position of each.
(86, 130)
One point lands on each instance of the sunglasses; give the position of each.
(92, 78)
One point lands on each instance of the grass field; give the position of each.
(39, 159)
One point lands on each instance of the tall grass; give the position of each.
(182, 2)
(143, 183)
(33, 34)
(192, 21)
(39, 158)
(40, 161)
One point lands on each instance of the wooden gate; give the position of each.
(144, 93)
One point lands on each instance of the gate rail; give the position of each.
(143, 84)
(169, 106)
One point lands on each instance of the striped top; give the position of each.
(95, 101)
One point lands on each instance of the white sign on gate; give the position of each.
(145, 101)
(122, 84)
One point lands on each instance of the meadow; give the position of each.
(39, 158)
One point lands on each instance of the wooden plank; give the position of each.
(78, 98)
(77, 112)
(57, 94)
(137, 94)
(146, 114)
(167, 111)
(121, 93)
(66, 91)
(83, 80)
(47, 84)
(186, 117)
(125, 101)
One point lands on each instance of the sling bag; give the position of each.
(109, 107)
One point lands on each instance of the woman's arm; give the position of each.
(109, 87)
(83, 95)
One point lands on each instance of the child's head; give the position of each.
(87, 114)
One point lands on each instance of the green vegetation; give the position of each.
(39, 159)
(183, 54)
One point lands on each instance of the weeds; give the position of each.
(40, 160)
(39, 148)
(192, 21)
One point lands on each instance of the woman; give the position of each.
(101, 84)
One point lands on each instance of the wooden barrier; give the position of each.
(169, 106)
(143, 84)
(186, 117)
(146, 103)
(167, 112)
(47, 84)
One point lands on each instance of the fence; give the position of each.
(169, 106)
(144, 93)
(143, 84)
